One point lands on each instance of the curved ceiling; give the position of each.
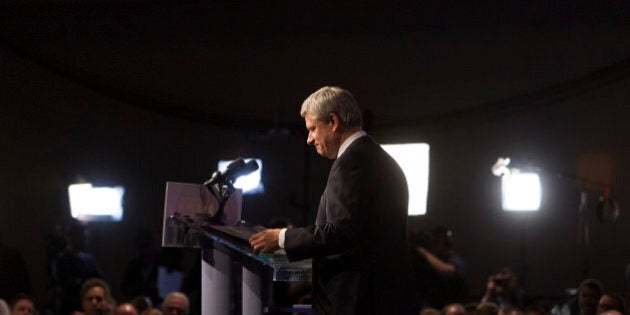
(249, 65)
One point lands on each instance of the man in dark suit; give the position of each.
(359, 240)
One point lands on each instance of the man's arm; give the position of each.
(334, 232)
(443, 268)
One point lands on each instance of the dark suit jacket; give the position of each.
(359, 240)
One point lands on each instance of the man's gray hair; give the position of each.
(332, 99)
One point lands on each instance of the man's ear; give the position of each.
(334, 121)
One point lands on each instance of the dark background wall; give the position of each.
(115, 109)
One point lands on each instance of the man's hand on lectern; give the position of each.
(265, 241)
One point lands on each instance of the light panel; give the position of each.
(89, 203)
(413, 158)
(520, 191)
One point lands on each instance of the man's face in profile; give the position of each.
(321, 136)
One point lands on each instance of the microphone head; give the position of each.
(236, 164)
(243, 170)
(251, 166)
(234, 170)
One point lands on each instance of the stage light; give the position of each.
(250, 184)
(89, 203)
(413, 158)
(520, 191)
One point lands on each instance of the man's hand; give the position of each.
(265, 241)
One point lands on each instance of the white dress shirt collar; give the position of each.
(349, 141)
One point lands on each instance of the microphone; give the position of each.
(233, 171)
(220, 177)
(247, 169)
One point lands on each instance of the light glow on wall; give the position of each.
(413, 158)
(89, 203)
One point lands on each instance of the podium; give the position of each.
(234, 280)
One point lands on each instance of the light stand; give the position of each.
(607, 208)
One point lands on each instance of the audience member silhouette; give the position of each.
(22, 304)
(471, 308)
(141, 273)
(610, 301)
(70, 268)
(126, 309)
(4, 308)
(175, 303)
(109, 306)
(588, 295)
(56, 243)
(96, 297)
(427, 310)
(151, 311)
(504, 289)
(510, 310)
(142, 303)
(191, 286)
(142, 280)
(487, 308)
(73, 269)
(454, 309)
(439, 270)
(13, 273)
